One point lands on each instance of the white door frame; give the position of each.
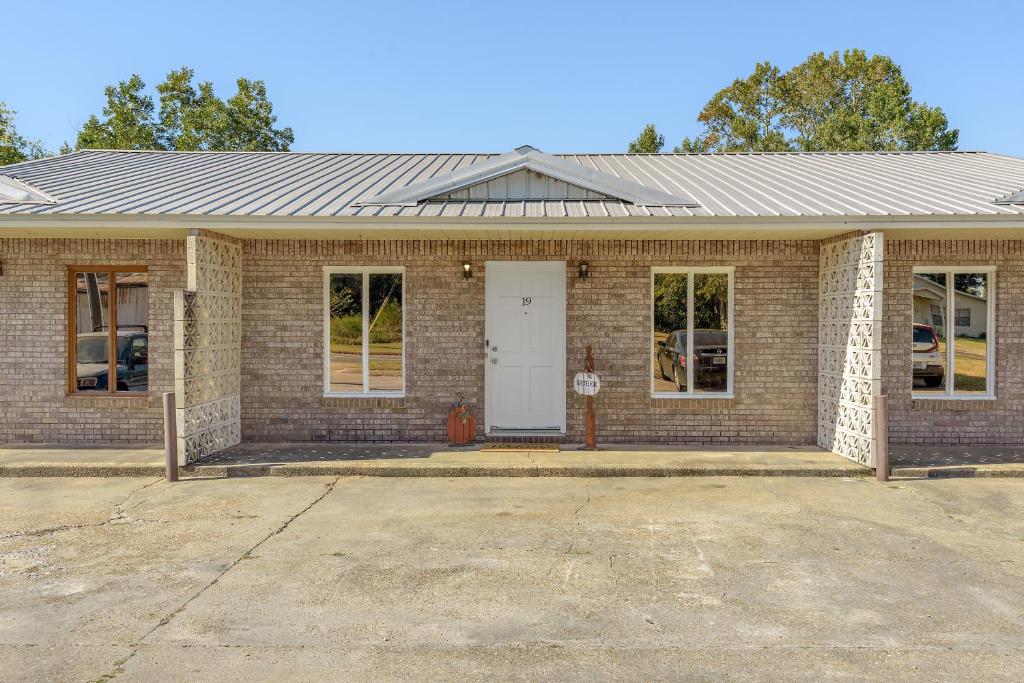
(551, 266)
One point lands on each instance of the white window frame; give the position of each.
(690, 271)
(365, 272)
(949, 314)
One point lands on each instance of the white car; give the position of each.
(927, 359)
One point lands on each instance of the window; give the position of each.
(108, 327)
(364, 331)
(691, 318)
(955, 363)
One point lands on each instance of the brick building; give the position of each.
(729, 299)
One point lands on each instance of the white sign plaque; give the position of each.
(586, 383)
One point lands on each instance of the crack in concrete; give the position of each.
(576, 523)
(117, 515)
(119, 666)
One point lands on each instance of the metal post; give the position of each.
(171, 436)
(881, 439)
(591, 443)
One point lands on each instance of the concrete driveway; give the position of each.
(367, 578)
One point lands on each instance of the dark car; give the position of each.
(711, 359)
(132, 361)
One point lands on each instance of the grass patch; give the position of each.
(971, 362)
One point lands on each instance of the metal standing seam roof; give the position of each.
(325, 185)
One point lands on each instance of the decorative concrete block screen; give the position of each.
(207, 343)
(849, 344)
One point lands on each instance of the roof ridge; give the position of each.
(558, 154)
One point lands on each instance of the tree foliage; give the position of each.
(13, 146)
(747, 115)
(190, 118)
(836, 102)
(710, 301)
(648, 142)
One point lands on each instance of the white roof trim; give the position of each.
(14, 191)
(533, 159)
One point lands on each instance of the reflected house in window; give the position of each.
(955, 364)
(970, 304)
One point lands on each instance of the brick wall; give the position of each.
(775, 318)
(34, 406)
(945, 422)
(775, 289)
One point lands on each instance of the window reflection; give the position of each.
(92, 331)
(93, 318)
(385, 332)
(132, 316)
(710, 333)
(346, 332)
(929, 332)
(670, 331)
(970, 346)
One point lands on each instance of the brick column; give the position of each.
(207, 347)
(850, 343)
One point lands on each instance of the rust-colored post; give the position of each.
(881, 439)
(591, 420)
(171, 436)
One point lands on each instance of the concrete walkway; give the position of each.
(60, 460)
(443, 461)
(431, 460)
(438, 460)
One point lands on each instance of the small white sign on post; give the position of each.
(586, 383)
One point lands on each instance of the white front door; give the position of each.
(525, 334)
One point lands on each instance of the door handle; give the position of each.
(494, 361)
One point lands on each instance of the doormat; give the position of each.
(498, 447)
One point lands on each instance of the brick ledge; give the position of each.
(968, 405)
(362, 402)
(108, 402)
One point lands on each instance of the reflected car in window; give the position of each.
(711, 359)
(927, 358)
(132, 361)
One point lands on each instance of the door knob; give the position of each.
(494, 361)
(494, 348)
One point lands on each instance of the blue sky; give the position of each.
(487, 76)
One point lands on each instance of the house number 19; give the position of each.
(527, 300)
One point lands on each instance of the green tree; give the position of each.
(250, 121)
(127, 122)
(190, 118)
(13, 146)
(648, 142)
(836, 102)
(746, 116)
(855, 102)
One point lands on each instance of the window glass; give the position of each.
(970, 347)
(385, 332)
(346, 332)
(111, 309)
(710, 332)
(952, 337)
(929, 333)
(92, 331)
(690, 332)
(132, 316)
(670, 325)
